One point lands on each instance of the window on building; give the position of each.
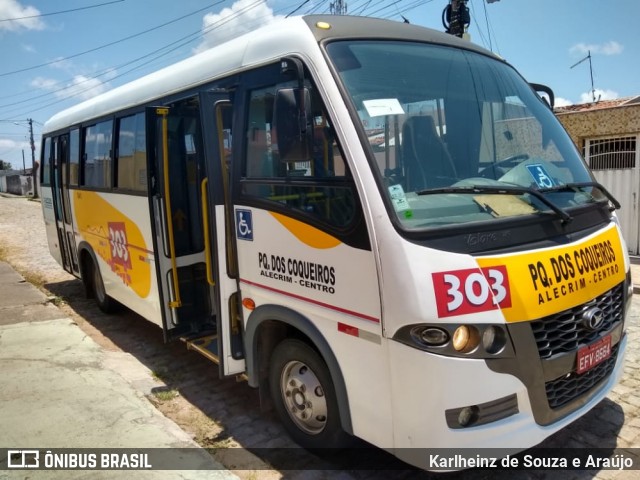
(611, 153)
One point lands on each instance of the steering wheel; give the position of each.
(498, 169)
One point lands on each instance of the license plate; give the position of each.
(594, 354)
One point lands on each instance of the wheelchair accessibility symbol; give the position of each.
(244, 225)
(540, 175)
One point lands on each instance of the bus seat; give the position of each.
(426, 160)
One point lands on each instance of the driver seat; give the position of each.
(427, 163)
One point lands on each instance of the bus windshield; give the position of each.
(458, 136)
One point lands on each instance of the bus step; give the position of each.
(206, 345)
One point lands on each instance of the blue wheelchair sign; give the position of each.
(540, 175)
(244, 225)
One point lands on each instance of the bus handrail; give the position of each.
(177, 302)
(205, 226)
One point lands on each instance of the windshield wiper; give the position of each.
(502, 190)
(576, 187)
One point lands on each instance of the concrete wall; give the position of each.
(17, 184)
(601, 122)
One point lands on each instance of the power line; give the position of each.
(176, 45)
(115, 42)
(60, 12)
(297, 8)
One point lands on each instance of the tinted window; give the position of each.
(74, 157)
(132, 154)
(97, 155)
(319, 186)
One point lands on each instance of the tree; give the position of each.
(5, 165)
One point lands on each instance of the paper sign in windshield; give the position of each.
(383, 106)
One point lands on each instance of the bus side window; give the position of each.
(320, 186)
(74, 158)
(46, 162)
(132, 156)
(97, 155)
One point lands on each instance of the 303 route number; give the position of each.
(119, 245)
(472, 290)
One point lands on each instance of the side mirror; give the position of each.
(291, 121)
(549, 98)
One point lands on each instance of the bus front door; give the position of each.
(177, 169)
(217, 116)
(193, 229)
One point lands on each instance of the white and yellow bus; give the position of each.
(382, 227)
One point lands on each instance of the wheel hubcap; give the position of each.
(303, 397)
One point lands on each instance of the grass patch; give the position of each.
(34, 279)
(165, 394)
(57, 300)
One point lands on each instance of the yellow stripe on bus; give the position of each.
(115, 238)
(307, 234)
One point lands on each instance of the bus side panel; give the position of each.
(50, 223)
(123, 247)
(335, 287)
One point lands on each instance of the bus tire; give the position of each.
(304, 396)
(104, 301)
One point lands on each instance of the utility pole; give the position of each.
(34, 168)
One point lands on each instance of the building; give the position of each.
(17, 182)
(607, 133)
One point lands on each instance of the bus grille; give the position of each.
(564, 332)
(563, 390)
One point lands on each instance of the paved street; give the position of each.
(222, 412)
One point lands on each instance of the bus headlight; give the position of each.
(432, 336)
(458, 340)
(494, 339)
(465, 338)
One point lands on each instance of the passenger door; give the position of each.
(190, 145)
(177, 169)
(62, 205)
(217, 113)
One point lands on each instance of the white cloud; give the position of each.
(609, 48)
(587, 97)
(14, 9)
(7, 146)
(80, 86)
(244, 16)
(562, 102)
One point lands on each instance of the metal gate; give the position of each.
(615, 162)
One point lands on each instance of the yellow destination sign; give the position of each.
(548, 281)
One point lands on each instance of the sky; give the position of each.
(56, 54)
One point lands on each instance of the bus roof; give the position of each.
(282, 37)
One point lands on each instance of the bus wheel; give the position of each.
(104, 301)
(304, 396)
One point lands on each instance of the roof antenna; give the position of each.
(588, 57)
